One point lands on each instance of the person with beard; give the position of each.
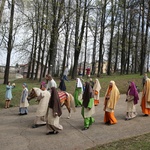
(88, 108)
(53, 113)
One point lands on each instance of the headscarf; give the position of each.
(132, 90)
(146, 90)
(97, 85)
(25, 85)
(54, 102)
(43, 84)
(62, 85)
(114, 96)
(87, 95)
(79, 84)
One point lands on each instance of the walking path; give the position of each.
(16, 132)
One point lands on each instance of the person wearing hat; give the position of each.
(23, 108)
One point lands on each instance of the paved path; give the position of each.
(16, 132)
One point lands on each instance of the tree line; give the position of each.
(52, 32)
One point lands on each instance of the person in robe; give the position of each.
(96, 89)
(145, 102)
(50, 82)
(78, 92)
(132, 100)
(65, 74)
(88, 108)
(8, 95)
(43, 101)
(23, 108)
(54, 112)
(111, 97)
(62, 85)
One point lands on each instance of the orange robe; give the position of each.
(109, 105)
(145, 102)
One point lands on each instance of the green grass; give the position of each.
(141, 142)
(121, 82)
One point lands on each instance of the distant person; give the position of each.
(62, 85)
(23, 108)
(111, 97)
(88, 108)
(54, 113)
(144, 79)
(78, 92)
(96, 89)
(88, 72)
(50, 82)
(8, 95)
(145, 102)
(65, 74)
(132, 100)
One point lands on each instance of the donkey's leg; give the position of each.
(67, 104)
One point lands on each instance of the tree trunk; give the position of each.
(10, 43)
(1, 9)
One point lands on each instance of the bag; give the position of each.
(130, 98)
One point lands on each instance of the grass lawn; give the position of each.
(121, 82)
(141, 142)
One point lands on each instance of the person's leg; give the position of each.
(8, 104)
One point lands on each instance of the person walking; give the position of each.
(78, 92)
(23, 108)
(145, 102)
(96, 89)
(53, 113)
(111, 97)
(8, 95)
(65, 74)
(132, 100)
(88, 108)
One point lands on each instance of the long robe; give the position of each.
(8, 95)
(132, 100)
(145, 102)
(23, 109)
(88, 108)
(42, 107)
(78, 93)
(109, 104)
(96, 89)
(54, 112)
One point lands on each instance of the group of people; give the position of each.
(86, 95)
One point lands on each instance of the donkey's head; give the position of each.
(32, 94)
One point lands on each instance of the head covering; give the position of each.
(97, 85)
(114, 95)
(54, 102)
(146, 90)
(62, 85)
(88, 94)
(79, 83)
(132, 90)
(25, 84)
(43, 83)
